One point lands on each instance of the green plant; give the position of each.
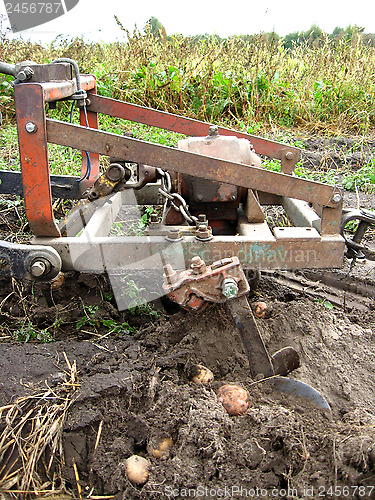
(118, 328)
(325, 303)
(137, 302)
(139, 227)
(362, 179)
(28, 332)
(89, 317)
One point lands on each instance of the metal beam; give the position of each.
(119, 254)
(206, 167)
(187, 126)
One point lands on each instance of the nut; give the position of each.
(229, 288)
(31, 127)
(198, 265)
(174, 234)
(38, 268)
(336, 198)
(203, 232)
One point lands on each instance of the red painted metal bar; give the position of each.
(92, 119)
(53, 91)
(186, 126)
(206, 167)
(32, 137)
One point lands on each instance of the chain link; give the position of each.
(171, 198)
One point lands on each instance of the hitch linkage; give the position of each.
(356, 250)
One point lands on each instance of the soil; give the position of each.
(133, 389)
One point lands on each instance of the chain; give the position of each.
(171, 198)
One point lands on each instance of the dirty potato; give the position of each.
(160, 447)
(137, 469)
(199, 374)
(234, 398)
(260, 309)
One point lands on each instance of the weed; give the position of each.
(256, 80)
(89, 317)
(325, 303)
(137, 302)
(28, 332)
(118, 328)
(138, 227)
(362, 179)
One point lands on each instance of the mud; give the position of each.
(135, 387)
(337, 152)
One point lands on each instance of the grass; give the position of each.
(255, 84)
(31, 451)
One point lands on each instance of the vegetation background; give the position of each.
(318, 81)
(311, 82)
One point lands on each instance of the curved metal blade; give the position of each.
(297, 388)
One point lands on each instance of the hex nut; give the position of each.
(198, 265)
(31, 127)
(38, 268)
(336, 198)
(174, 234)
(203, 232)
(229, 288)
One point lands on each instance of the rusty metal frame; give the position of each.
(256, 245)
(206, 167)
(288, 155)
(30, 100)
(316, 244)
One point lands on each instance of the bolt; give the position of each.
(336, 198)
(289, 155)
(174, 234)
(38, 268)
(202, 218)
(229, 288)
(31, 127)
(170, 274)
(198, 265)
(203, 232)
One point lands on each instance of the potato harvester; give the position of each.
(211, 239)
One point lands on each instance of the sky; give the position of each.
(96, 23)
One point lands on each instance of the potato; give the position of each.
(160, 447)
(137, 469)
(199, 374)
(234, 398)
(260, 309)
